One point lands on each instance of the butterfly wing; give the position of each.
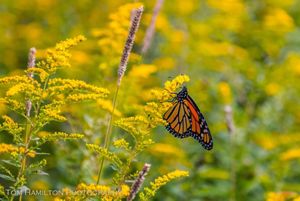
(179, 120)
(199, 127)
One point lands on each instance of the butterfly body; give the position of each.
(185, 120)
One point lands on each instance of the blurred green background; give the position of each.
(241, 53)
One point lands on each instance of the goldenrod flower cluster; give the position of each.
(14, 151)
(59, 56)
(161, 181)
(102, 191)
(39, 98)
(282, 196)
(105, 153)
(59, 136)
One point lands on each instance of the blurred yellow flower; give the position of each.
(280, 196)
(162, 24)
(235, 7)
(272, 88)
(293, 63)
(108, 106)
(278, 20)
(80, 57)
(165, 150)
(186, 7)
(215, 49)
(165, 63)
(271, 141)
(142, 70)
(290, 154)
(39, 184)
(225, 92)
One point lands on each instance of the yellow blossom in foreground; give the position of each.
(10, 125)
(59, 55)
(57, 85)
(170, 87)
(59, 136)
(13, 150)
(105, 192)
(38, 71)
(7, 148)
(121, 143)
(176, 82)
(159, 182)
(290, 154)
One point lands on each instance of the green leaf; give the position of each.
(7, 177)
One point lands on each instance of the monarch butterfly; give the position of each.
(185, 119)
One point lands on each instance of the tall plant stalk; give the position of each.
(31, 64)
(136, 18)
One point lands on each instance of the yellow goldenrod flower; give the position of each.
(13, 150)
(176, 82)
(105, 192)
(10, 125)
(278, 20)
(124, 192)
(59, 136)
(31, 154)
(280, 196)
(142, 71)
(121, 143)
(163, 150)
(106, 154)
(160, 181)
(108, 106)
(8, 148)
(112, 37)
(165, 63)
(225, 92)
(26, 88)
(15, 79)
(293, 64)
(59, 55)
(290, 154)
(57, 85)
(272, 89)
(83, 97)
(53, 114)
(38, 71)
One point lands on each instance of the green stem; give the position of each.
(108, 134)
(24, 158)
